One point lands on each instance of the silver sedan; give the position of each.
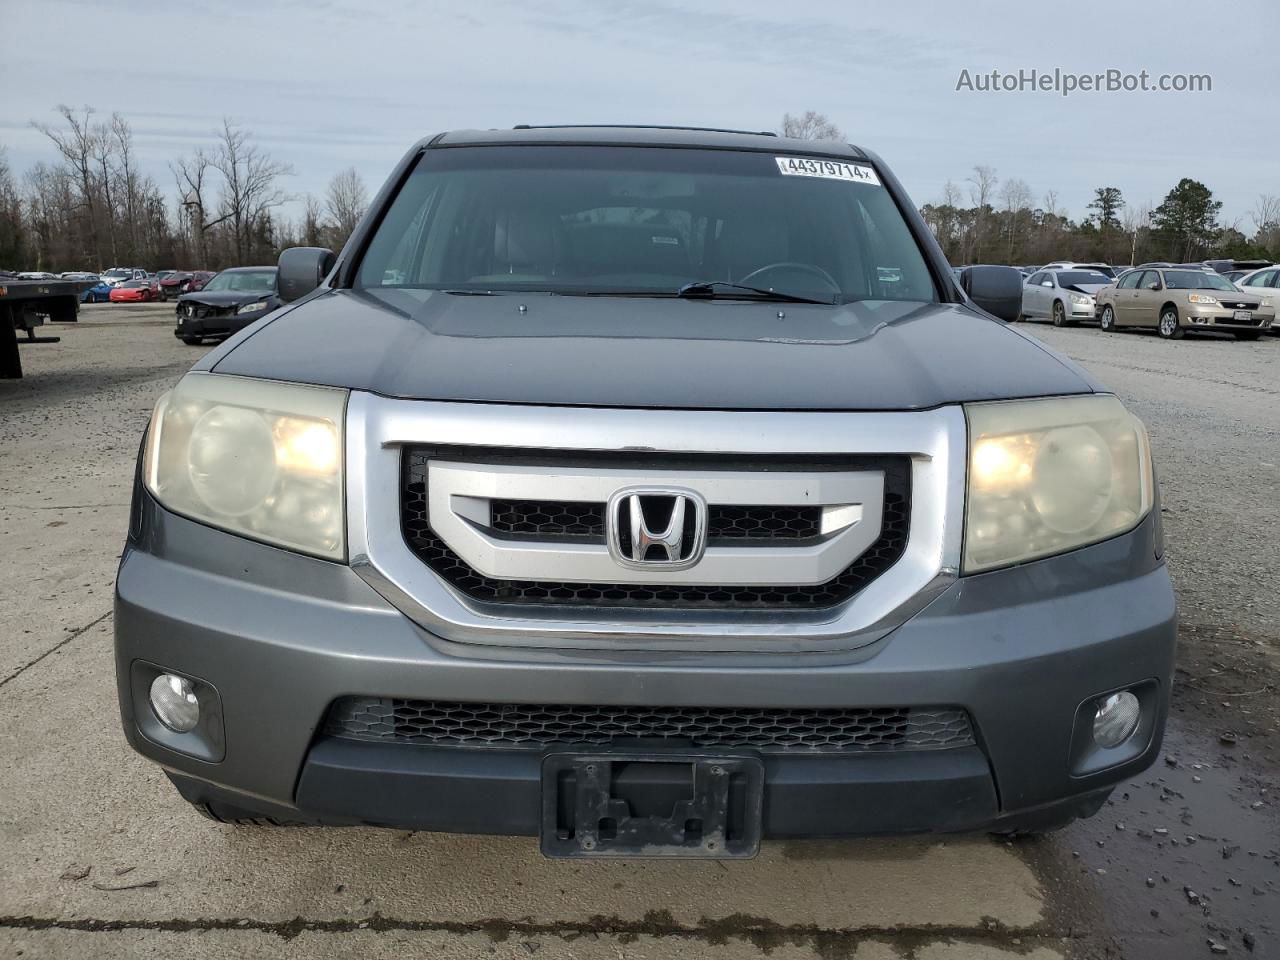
(1063, 296)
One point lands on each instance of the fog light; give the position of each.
(1116, 718)
(174, 701)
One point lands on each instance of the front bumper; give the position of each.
(214, 326)
(1214, 317)
(280, 636)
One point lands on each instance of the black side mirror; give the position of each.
(301, 269)
(997, 290)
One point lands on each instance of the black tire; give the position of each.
(1060, 315)
(1247, 334)
(193, 341)
(1108, 320)
(235, 817)
(1170, 330)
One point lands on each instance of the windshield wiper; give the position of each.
(710, 289)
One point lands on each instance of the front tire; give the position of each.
(1108, 320)
(1059, 314)
(1169, 327)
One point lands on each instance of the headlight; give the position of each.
(1051, 475)
(252, 307)
(1081, 298)
(1201, 298)
(255, 457)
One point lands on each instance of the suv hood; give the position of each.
(647, 352)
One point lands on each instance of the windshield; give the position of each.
(1068, 278)
(243, 281)
(112, 274)
(643, 220)
(1195, 280)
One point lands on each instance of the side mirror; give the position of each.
(301, 269)
(997, 290)
(1046, 283)
(1153, 285)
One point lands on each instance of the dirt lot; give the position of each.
(99, 858)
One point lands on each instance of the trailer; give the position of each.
(24, 306)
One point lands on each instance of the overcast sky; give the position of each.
(324, 84)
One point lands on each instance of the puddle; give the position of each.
(1185, 854)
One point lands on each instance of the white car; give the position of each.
(1264, 283)
(118, 275)
(1102, 268)
(1063, 296)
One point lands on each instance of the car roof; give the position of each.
(240, 269)
(622, 135)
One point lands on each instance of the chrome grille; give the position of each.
(736, 523)
(536, 726)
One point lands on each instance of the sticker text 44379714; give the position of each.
(827, 169)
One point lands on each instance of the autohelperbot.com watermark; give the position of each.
(1065, 82)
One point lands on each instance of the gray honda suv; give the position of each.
(648, 491)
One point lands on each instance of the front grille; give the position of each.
(536, 726)
(554, 519)
(574, 521)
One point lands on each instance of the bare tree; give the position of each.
(312, 228)
(103, 151)
(127, 191)
(249, 187)
(192, 175)
(1137, 218)
(1017, 198)
(982, 186)
(1266, 221)
(810, 125)
(76, 146)
(346, 201)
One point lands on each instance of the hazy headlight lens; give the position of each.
(251, 307)
(1201, 298)
(1051, 475)
(1078, 298)
(255, 457)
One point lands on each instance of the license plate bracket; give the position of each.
(653, 805)
(1243, 316)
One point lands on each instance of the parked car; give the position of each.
(229, 302)
(184, 281)
(1264, 284)
(78, 275)
(118, 275)
(1101, 268)
(481, 549)
(132, 291)
(1176, 300)
(37, 275)
(100, 292)
(1063, 296)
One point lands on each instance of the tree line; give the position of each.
(90, 207)
(987, 221)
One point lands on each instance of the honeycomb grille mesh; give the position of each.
(534, 726)
(552, 519)
(433, 551)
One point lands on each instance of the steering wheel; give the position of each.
(789, 265)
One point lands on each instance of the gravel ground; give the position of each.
(98, 857)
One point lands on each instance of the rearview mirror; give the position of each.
(301, 270)
(997, 290)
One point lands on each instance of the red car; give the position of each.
(184, 281)
(134, 291)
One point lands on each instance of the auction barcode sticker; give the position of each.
(827, 169)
